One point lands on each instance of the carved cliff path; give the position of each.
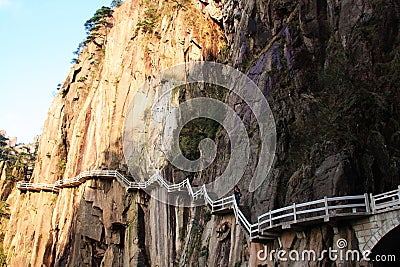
(268, 224)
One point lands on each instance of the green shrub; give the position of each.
(207, 216)
(3, 257)
(61, 167)
(4, 211)
(10, 177)
(149, 21)
(204, 252)
(82, 79)
(195, 131)
(74, 61)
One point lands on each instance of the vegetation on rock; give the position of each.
(96, 27)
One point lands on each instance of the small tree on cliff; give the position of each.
(100, 20)
(94, 26)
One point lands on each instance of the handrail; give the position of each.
(385, 201)
(269, 221)
(242, 218)
(386, 193)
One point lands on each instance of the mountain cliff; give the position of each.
(330, 70)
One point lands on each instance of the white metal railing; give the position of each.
(252, 229)
(267, 222)
(37, 186)
(223, 203)
(318, 209)
(385, 201)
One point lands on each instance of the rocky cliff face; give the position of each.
(99, 222)
(330, 70)
(16, 164)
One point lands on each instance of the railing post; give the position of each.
(270, 219)
(372, 200)
(367, 208)
(398, 192)
(326, 208)
(235, 213)
(294, 213)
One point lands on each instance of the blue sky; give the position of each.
(36, 45)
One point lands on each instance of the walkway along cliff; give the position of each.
(330, 71)
(267, 223)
